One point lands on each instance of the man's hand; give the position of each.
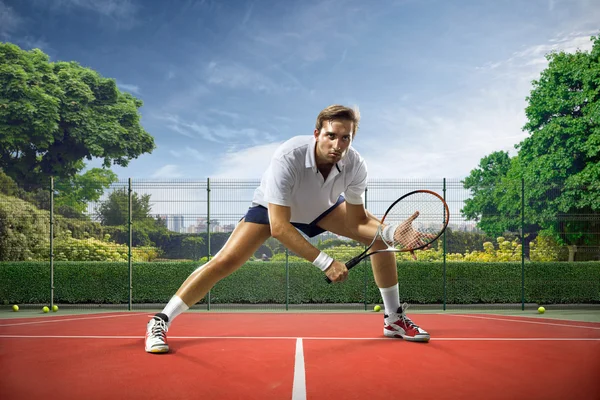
(337, 271)
(407, 237)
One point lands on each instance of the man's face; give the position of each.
(333, 141)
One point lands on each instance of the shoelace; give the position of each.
(159, 328)
(407, 320)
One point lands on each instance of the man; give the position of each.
(302, 190)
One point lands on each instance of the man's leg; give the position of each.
(244, 241)
(383, 264)
(396, 323)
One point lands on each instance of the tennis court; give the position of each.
(300, 355)
(274, 329)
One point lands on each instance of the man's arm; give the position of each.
(360, 222)
(286, 233)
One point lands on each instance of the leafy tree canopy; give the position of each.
(564, 125)
(53, 115)
(74, 193)
(115, 210)
(559, 161)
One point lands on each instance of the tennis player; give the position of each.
(313, 184)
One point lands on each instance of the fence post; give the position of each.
(208, 234)
(366, 270)
(130, 244)
(522, 244)
(51, 242)
(444, 248)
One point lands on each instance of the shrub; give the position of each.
(67, 248)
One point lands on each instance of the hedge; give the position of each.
(265, 282)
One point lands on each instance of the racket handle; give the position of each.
(350, 264)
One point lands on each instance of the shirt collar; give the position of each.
(310, 155)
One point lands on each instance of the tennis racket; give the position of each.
(412, 222)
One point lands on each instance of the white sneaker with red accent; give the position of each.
(398, 325)
(156, 336)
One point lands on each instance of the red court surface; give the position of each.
(298, 356)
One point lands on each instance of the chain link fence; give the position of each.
(136, 244)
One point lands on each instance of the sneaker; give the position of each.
(156, 336)
(398, 325)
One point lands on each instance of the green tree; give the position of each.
(485, 183)
(327, 243)
(74, 194)
(115, 210)
(559, 161)
(53, 115)
(192, 247)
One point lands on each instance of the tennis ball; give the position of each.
(541, 310)
(377, 308)
(55, 308)
(15, 308)
(45, 309)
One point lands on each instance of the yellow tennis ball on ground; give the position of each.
(55, 308)
(541, 310)
(45, 309)
(377, 308)
(15, 308)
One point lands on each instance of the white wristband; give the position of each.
(388, 234)
(323, 261)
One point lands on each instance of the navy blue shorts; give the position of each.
(260, 215)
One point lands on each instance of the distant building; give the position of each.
(174, 223)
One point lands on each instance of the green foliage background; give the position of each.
(266, 282)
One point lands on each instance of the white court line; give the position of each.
(474, 339)
(299, 387)
(69, 319)
(524, 321)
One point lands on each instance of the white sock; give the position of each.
(175, 307)
(391, 299)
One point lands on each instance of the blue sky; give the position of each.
(439, 83)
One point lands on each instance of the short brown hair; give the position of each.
(337, 112)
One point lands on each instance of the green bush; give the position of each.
(24, 230)
(266, 282)
(68, 249)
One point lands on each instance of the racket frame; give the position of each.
(355, 260)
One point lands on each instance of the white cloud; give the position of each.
(188, 152)
(447, 146)
(535, 55)
(223, 113)
(180, 130)
(167, 171)
(186, 97)
(287, 40)
(449, 137)
(568, 43)
(238, 76)
(249, 163)
(10, 21)
(128, 87)
(118, 9)
(217, 133)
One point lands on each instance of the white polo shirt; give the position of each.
(293, 180)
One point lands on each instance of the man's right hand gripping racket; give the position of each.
(412, 222)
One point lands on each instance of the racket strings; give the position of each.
(415, 222)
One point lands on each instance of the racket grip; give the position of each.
(350, 264)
